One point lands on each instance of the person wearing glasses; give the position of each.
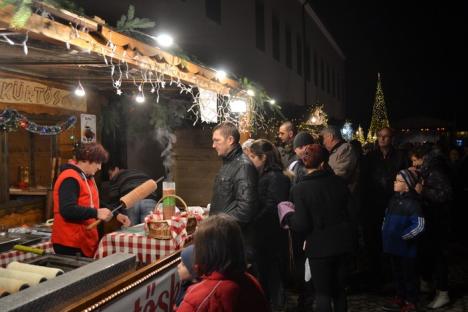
(402, 225)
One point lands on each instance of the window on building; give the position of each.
(213, 10)
(322, 75)
(275, 33)
(288, 41)
(315, 69)
(260, 25)
(307, 61)
(299, 54)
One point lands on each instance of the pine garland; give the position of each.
(130, 23)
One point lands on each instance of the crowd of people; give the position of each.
(295, 215)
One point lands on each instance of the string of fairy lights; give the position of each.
(250, 99)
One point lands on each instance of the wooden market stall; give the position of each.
(42, 63)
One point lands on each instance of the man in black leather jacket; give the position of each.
(235, 186)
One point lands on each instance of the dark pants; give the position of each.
(406, 279)
(432, 256)
(372, 220)
(329, 279)
(269, 275)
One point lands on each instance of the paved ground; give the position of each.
(368, 300)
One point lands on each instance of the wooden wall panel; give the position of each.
(195, 167)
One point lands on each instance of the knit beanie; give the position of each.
(410, 176)
(301, 139)
(188, 258)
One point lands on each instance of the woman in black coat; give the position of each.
(321, 200)
(270, 239)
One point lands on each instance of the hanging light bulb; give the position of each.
(221, 75)
(140, 98)
(79, 91)
(272, 101)
(251, 92)
(165, 40)
(238, 106)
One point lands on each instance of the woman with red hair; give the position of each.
(76, 203)
(320, 211)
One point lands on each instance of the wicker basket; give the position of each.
(161, 229)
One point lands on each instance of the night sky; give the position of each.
(416, 46)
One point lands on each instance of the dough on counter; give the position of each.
(42, 270)
(28, 277)
(12, 285)
(3, 292)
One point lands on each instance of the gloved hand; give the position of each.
(284, 209)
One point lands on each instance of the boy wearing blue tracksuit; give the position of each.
(403, 222)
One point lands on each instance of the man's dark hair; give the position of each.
(219, 246)
(264, 147)
(290, 126)
(91, 152)
(228, 129)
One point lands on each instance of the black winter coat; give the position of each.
(436, 194)
(235, 188)
(379, 174)
(273, 188)
(322, 203)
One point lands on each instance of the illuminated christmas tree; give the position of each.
(379, 113)
(360, 135)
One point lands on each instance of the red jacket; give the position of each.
(74, 233)
(217, 292)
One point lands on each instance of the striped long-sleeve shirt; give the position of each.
(403, 222)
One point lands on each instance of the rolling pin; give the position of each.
(129, 200)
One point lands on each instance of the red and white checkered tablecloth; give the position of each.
(145, 248)
(15, 255)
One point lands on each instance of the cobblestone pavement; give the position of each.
(367, 300)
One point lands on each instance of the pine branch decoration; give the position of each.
(130, 23)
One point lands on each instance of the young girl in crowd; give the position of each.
(220, 262)
(402, 224)
(270, 239)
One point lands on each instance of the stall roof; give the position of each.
(65, 47)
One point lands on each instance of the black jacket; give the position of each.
(235, 188)
(124, 182)
(273, 188)
(379, 174)
(287, 154)
(322, 202)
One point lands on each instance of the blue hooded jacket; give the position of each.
(402, 223)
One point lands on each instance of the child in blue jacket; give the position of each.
(402, 224)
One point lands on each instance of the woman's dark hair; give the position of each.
(314, 156)
(219, 246)
(420, 151)
(91, 152)
(264, 147)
